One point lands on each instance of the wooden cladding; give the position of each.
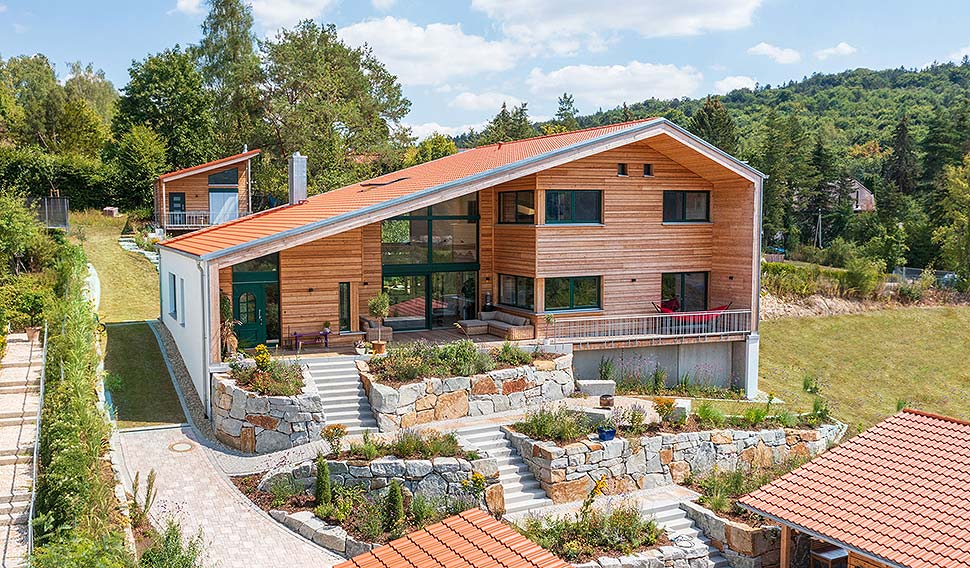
(196, 190)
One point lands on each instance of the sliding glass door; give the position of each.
(408, 301)
(435, 300)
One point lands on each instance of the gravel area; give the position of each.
(184, 383)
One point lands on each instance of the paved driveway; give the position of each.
(193, 490)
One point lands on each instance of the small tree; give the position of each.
(394, 509)
(323, 494)
(378, 307)
(954, 236)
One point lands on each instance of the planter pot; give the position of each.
(605, 434)
(33, 333)
(606, 401)
(361, 350)
(380, 347)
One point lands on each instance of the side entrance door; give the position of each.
(249, 308)
(176, 209)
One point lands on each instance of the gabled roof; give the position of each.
(473, 539)
(209, 166)
(898, 493)
(444, 178)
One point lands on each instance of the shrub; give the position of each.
(262, 357)
(169, 551)
(557, 425)
(283, 489)
(631, 420)
(664, 407)
(271, 377)
(658, 378)
(810, 384)
(424, 511)
(720, 490)
(334, 435)
(755, 415)
(607, 369)
(787, 419)
(864, 276)
(786, 279)
(420, 359)
(710, 415)
(512, 355)
(367, 449)
(393, 510)
(322, 494)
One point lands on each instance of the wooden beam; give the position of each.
(784, 559)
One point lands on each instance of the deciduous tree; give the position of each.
(431, 148)
(954, 236)
(140, 159)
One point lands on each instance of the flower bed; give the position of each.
(433, 399)
(410, 362)
(567, 472)
(256, 423)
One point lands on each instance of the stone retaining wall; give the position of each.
(311, 527)
(446, 399)
(743, 546)
(693, 554)
(260, 424)
(567, 473)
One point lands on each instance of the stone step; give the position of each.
(521, 485)
(669, 514)
(516, 507)
(517, 466)
(17, 421)
(326, 383)
(19, 389)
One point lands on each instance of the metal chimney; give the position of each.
(297, 178)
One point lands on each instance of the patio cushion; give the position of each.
(504, 317)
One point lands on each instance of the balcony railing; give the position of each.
(187, 219)
(651, 326)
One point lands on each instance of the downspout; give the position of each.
(163, 208)
(249, 187)
(203, 266)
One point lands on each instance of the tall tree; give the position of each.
(41, 97)
(772, 160)
(90, 84)
(337, 104)
(431, 148)
(799, 174)
(566, 115)
(819, 197)
(901, 169)
(81, 129)
(231, 70)
(11, 114)
(140, 158)
(507, 126)
(713, 123)
(166, 94)
(954, 236)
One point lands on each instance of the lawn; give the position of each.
(129, 283)
(868, 363)
(141, 389)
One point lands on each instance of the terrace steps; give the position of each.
(670, 517)
(344, 399)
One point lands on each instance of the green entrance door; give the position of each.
(249, 308)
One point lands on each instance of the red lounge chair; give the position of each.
(702, 317)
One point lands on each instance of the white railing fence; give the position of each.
(188, 218)
(680, 324)
(35, 465)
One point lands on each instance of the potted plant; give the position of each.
(360, 346)
(606, 432)
(378, 308)
(326, 333)
(32, 306)
(227, 327)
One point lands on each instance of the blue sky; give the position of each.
(458, 60)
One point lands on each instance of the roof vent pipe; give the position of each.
(297, 178)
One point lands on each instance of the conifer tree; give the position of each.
(713, 123)
(901, 169)
(566, 115)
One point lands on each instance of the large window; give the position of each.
(577, 292)
(517, 207)
(516, 291)
(687, 206)
(685, 290)
(585, 206)
(446, 233)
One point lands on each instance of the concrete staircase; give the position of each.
(344, 400)
(522, 490)
(673, 519)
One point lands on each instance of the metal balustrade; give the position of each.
(188, 219)
(652, 326)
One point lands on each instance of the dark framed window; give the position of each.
(689, 289)
(444, 234)
(173, 296)
(687, 206)
(228, 177)
(262, 265)
(580, 206)
(647, 170)
(517, 207)
(516, 291)
(621, 170)
(575, 292)
(344, 306)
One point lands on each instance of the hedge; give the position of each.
(87, 182)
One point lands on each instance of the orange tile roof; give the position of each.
(211, 165)
(398, 184)
(899, 492)
(473, 539)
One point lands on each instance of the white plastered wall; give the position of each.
(188, 325)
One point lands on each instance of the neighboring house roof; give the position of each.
(862, 197)
(470, 539)
(209, 166)
(447, 177)
(898, 493)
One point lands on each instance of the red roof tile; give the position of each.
(471, 539)
(384, 188)
(900, 492)
(211, 165)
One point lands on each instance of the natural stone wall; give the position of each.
(743, 546)
(261, 424)
(693, 554)
(567, 473)
(446, 399)
(311, 527)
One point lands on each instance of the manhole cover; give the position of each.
(181, 447)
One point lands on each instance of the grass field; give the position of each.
(129, 283)
(867, 363)
(141, 389)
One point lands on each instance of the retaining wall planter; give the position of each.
(689, 554)
(446, 399)
(260, 424)
(568, 473)
(743, 546)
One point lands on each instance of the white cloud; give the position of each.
(839, 50)
(425, 129)
(483, 101)
(611, 85)
(20, 29)
(383, 5)
(563, 26)
(188, 6)
(778, 54)
(432, 54)
(959, 54)
(275, 14)
(728, 84)
(3, 8)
